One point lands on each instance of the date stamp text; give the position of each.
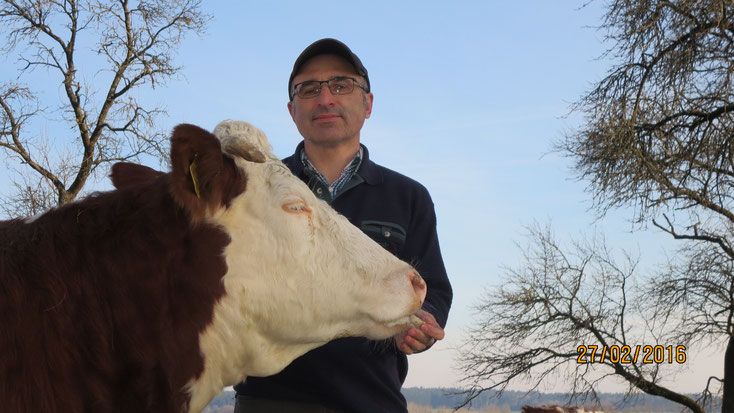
(645, 354)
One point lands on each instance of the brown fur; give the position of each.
(215, 187)
(102, 300)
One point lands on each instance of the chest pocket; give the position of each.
(389, 235)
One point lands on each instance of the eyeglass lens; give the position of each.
(337, 86)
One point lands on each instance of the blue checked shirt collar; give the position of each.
(346, 175)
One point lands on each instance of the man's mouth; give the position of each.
(326, 117)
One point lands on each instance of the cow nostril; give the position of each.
(419, 286)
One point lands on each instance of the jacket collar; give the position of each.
(368, 170)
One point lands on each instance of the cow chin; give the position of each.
(389, 328)
(383, 330)
(385, 327)
(377, 330)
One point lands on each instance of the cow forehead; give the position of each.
(280, 178)
(281, 185)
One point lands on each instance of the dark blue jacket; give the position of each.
(355, 374)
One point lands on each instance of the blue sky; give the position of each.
(469, 97)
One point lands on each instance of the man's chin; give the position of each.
(326, 140)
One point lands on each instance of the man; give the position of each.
(329, 100)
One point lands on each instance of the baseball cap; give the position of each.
(327, 46)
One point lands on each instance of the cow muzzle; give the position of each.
(419, 287)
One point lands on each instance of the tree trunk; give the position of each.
(727, 401)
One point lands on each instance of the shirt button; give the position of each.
(319, 191)
(387, 234)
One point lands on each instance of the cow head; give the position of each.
(299, 274)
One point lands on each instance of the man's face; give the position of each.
(326, 119)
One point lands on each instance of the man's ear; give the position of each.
(292, 110)
(369, 98)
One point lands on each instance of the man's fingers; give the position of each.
(425, 316)
(433, 331)
(416, 345)
(419, 339)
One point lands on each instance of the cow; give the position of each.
(156, 295)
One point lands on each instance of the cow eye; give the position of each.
(296, 207)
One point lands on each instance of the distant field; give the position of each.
(430, 400)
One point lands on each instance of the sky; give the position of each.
(469, 98)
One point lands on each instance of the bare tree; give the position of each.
(658, 137)
(579, 315)
(135, 43)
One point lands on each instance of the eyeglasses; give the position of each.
(340, 85)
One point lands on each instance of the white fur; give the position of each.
(298, 276)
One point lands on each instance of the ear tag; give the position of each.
(195, 177)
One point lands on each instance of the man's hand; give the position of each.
(420, 339)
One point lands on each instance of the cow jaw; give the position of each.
(256, 355)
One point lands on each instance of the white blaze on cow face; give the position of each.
(310, 275)
(299, 275)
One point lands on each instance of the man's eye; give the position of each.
(309, 88)
(339, 85)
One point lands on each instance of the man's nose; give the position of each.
(325, 98)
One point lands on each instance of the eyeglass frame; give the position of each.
(321, 82)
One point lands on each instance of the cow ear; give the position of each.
(128, 175)
(202, 179)
(244, 150)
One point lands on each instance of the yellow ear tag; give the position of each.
(194, 177)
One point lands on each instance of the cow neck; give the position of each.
(127, 271)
